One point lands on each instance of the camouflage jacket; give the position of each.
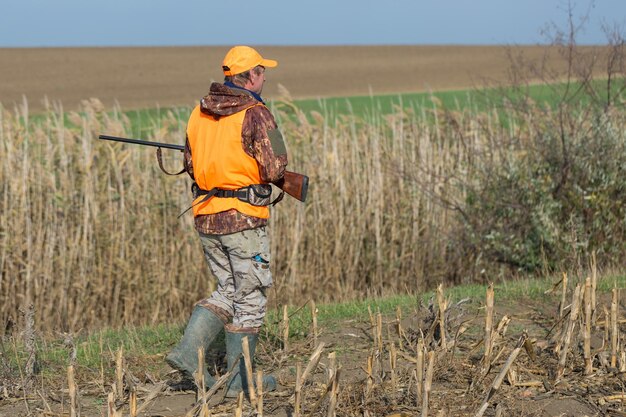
(258, 124)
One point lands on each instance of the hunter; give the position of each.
(233, 152)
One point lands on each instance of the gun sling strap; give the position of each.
(160, 161)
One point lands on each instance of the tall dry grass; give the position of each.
(89, 232)
(369, 227)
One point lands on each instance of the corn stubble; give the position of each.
(410, 370)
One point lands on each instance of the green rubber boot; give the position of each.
(239, 381)
(202, 329)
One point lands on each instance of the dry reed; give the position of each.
(89, 233)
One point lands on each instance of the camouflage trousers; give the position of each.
(241, 263)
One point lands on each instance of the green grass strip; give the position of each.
(97, 350)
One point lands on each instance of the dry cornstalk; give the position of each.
(111, 405)
(372, 320)
(607, 321)
(379, 332)
(511, 376)
(205, 398)
(313, 362)
(399, 329)
(373, 326)
(495, 336)
(614, 327)
(529, 384)
(311, 366)
(249, 375)
(393, 360)
(428, 383)
(615, 397)
(199, 376)
(529, 347)
(563, 295)
(587, 328)
(419, 369)
(441, 301)
(334, 395)
(489, 303)
(298, 393)
(239, 409)
(259, 384)
(503, 325)
(119, 373)
(73, 392)
(285, 329)
(332, 365)
(329, 385)
(314, 320)
(333, 375)
(112, 411)
(30, 346)
(505, 369)
(594, 284)
(370, 375)
(573, 318)
(132, 403)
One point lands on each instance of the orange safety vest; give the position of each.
(219, 161)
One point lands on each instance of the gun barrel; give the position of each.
(294, 184)
(142, 142)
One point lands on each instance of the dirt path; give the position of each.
(151, 77)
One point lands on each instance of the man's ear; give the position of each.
(254, 75)
(250, 81)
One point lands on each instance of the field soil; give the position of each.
(534, 385)
(172, 76)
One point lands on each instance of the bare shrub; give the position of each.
(546, 188)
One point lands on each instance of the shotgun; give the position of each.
(292, 183)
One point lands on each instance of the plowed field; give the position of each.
(151, 77)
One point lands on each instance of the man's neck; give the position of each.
(255, 95)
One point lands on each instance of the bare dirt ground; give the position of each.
(151, 77)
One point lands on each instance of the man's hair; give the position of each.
(242, 78)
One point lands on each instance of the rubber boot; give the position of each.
(239, 381)
(202, 329)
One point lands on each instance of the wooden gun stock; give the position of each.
(294, 184)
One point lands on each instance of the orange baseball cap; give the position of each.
(243, 58)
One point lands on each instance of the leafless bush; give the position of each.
(545, 189)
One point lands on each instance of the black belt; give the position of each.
(241, 193)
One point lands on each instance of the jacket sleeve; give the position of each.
(187, 162)
(263, 141)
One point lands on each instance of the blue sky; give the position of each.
(37, 23)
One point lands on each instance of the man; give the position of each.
(233, 151)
